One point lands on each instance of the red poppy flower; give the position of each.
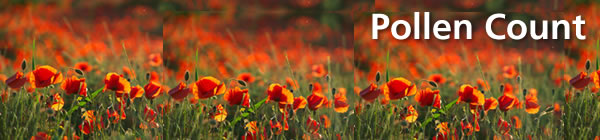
(471, 95)
(409, 114)
(490, 104)
(44, 76)
(325, 121)
(507, 101)
(179, 92)
(316, 100)
(41, 136)
(116, 83)
(299, 103)
(75, 85)
(136, 92)
(509, 71)
(16, 81)
(429, 97)
(437, 78)
(237, 96)
(580, 81)
(318, 70)
(155, 59)
(516, 122)
(279, 94)
(340, 102)
(246, 77)
(207, 87)
(153, 90)
(503, 126)
(219, 113)
(398, 88)
(312, 125)
(531, 102)
(371, 93)
(56, 103)
(83, 66)
(442, 131)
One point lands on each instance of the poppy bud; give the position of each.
(187, 75)
(377, 77)
(333, 91)
(501, 88)
(327, 78)
(518, 79)
(148, 76)
(241, 82)
(552, 91)
(587, 64)
(432, 83)
(291, 90)
(23, 64)
(524, 92)
(310, 87)
(78, 71)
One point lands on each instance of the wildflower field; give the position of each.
(299, 69)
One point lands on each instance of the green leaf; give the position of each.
(257, 105)
(449, 105)
(84, 102)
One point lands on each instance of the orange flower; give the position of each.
(596, 78)
(44, 76)
(75, 85)
(88, 124)
(83, 66)
(136, 92)
(155, 59)
(246, 77)
(409, 114)
(279, 94)
(580, 81)
(237, 96)
(442, 131)
(207, 87)
(299, 103)
(371, 93)
(509, 71)
(318, 70)
(219, 113)
(292, 83)
(531, 102)
(16, 81)
(179, 92)
(340, 102)
(437, 78)
(325, 121)
(116, 83)
(470, 95)
(490, 104)
(483, 84)
(507, 101)
(428, 97)
(399, 88)
(316, 100)
(516, 121)
(56, 102)
(153, 90)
